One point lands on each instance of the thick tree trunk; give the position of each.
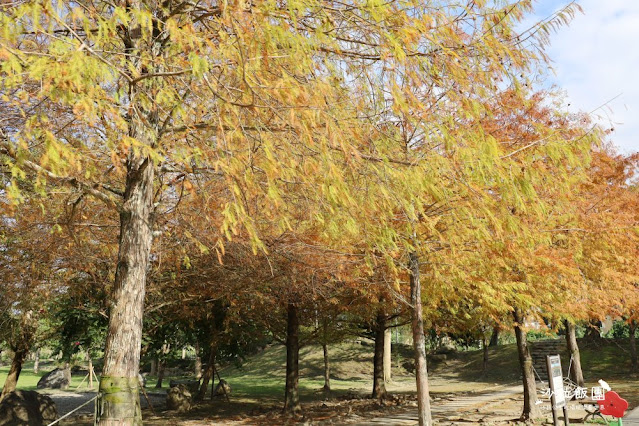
(419, 343)
(379, 387)
(633, 346)
(494, 338)
(291, 397)
(576, 374)
(388, 340)
(327, 369)
(198, 362)
(11, 381)
(36, 361)
(119, 402)
(527, 373)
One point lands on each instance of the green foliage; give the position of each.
(620, 330)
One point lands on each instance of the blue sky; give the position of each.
(596, 61)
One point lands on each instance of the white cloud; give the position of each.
(596, 60)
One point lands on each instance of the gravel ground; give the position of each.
(67, 401)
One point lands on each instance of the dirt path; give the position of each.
(448, 410)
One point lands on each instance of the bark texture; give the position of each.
(531, 410)
(11, 381)
(36, 362)
(419, 343)
(120, 400)
(379, 387)
(576, 374)
(327, 369)
(388, 337)
(291, 396)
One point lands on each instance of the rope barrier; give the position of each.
(74, 410)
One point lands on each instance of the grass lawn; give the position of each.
(261, 378)
(28, 380)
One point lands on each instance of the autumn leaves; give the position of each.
(313, 145)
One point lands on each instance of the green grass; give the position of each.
(28, 380)
(263, 376)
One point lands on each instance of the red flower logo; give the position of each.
(613, 405)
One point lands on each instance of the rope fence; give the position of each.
(74, 410)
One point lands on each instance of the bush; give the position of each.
(619, 330)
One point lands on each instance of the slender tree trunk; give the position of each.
(36, 362)
(327, 369)
(161, 367)
(419, 343)
(209, 375)
(576, 374)
(198, 361)
(379, 387)
(90, 371)
(11, 381)
(494, 338)
(291, 397)
(154, 367)
(527, 373)
(485, 347)
(209, 371)
(633, 346)
(388, 340)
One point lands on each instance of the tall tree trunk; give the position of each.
(216, 317)
(11, 381)
(485, 347)
(36, 362)
(154, 367)
(161, 367)
(291, 396)
(494, 338)
(166, 348)
(327, 369)
(527, 373)
(576, 374)
(379, 387)
(388, 340)
(419, 343)
(208, 376)
(91, 373)
(633, 346)
(198, 361)
(119, 402)
(119, 397)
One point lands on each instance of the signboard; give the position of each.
(556, 381)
